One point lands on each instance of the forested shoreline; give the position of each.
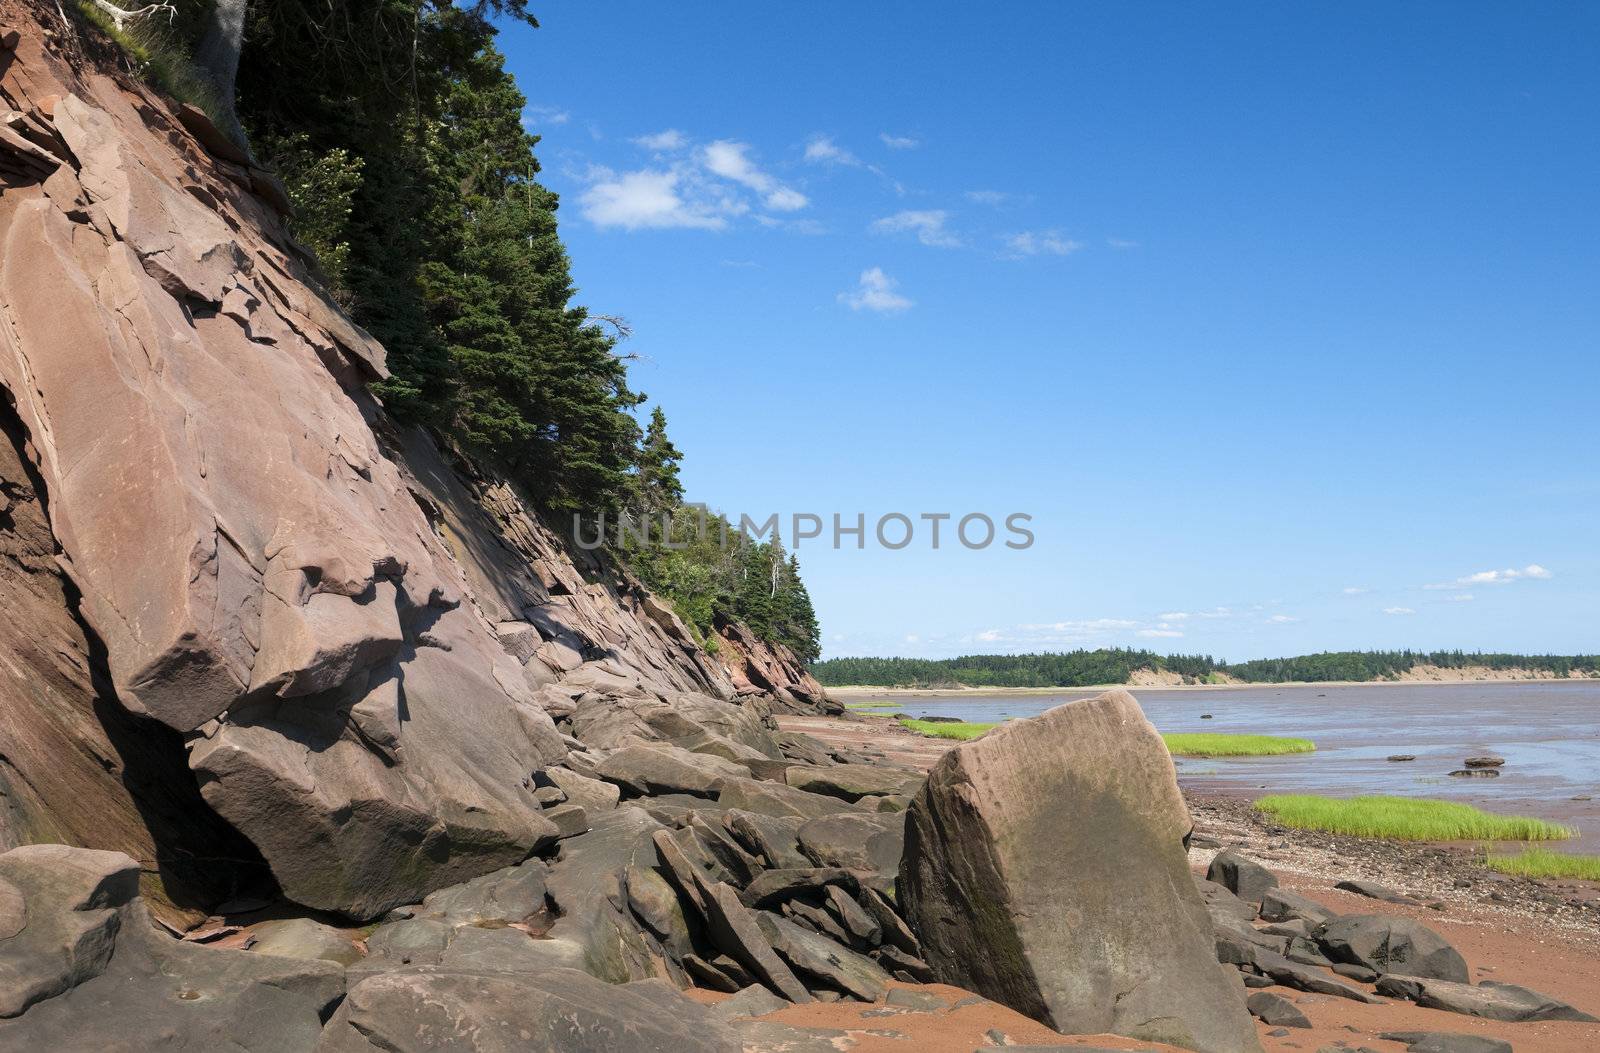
(1082, 668)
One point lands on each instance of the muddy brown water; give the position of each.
(1547, 731)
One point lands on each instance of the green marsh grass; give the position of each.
(943, 730)
(1208, 744)
(1543, 863)
(1405, 819)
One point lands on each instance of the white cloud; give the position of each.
(823, 150)
(1497, 577)
(992, 198)
(1174, 616)
(913, 638)
(928, 225)
(1122, 243)
(1217, 612)
(536, 115)
(899, 142)
(663, 141)
(1282, 619)
(1463, 597)
(875, 292)
(1161, 634)
(731, 160)
(648, 199)
(1356, 590)
(784, 199)
(1041, 243)
(989, 635)
(1398, 610)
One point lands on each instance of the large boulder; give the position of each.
(82, 966)
(1392, 944)
(553, 1011)
(1044, 868)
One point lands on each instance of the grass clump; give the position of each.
(1208, 744)
(871, 705)
(939, 729)
(1543, 863)
(1405, 819)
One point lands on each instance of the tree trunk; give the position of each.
(218, 59)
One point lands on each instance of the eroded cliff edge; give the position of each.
(220, 552)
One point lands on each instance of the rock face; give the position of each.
(355, 643)
(1044, 868)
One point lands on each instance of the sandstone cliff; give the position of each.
(252, 625)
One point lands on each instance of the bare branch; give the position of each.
(120, 17)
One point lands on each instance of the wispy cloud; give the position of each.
(1161, 634)
(1282, 619)
(1398, 610)
(1356, 590)
(534, 116)
(1121, 243)
(1532, 572)
(823, 150)
(992, 198)
(875, 292)
(731, 160)
(899, 142)
(928, 225)
(1460, 597)
(1174, 616)
(989, 636)
(1041, 243)
(663, 141)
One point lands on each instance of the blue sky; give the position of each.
(1280, 321)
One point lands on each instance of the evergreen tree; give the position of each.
(657, 488)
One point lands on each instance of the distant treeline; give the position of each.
(1117, 665)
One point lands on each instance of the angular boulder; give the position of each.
(1044, 868)
(1244, 877)
(1390, 944)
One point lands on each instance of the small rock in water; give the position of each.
(1583, 797)
(1475, 773)
(1400, 757)
(1484, 762)
(1205, 716)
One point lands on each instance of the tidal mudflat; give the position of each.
(1548, 733)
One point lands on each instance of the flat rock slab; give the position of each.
(1490, 1000)
(1373, 890)
(851, 782)
(1044, 868)
(555, 1011)
(1446, 1042)
(824, 960)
